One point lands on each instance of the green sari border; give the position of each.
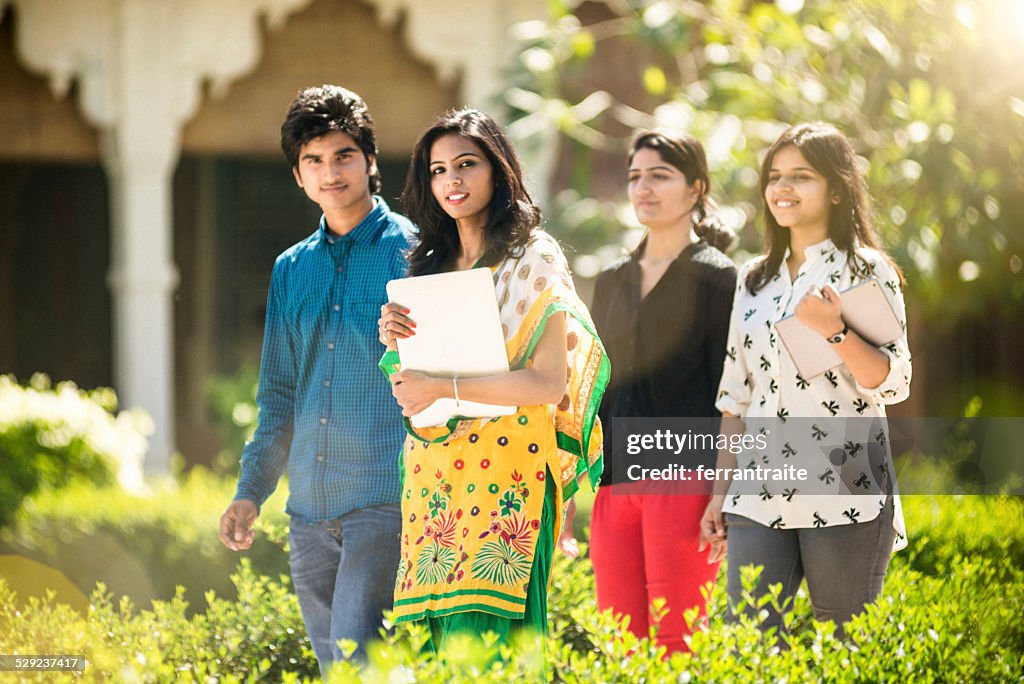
(443, 612)
(451, 594)
(389, 365)
(604, 372)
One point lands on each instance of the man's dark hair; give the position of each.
(320, 110)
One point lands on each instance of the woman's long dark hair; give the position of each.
(512, 212)
(686, 154)
(849, 223)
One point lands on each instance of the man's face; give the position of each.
(335, 173)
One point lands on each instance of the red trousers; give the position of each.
(644, 546)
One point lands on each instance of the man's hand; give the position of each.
(236, 531)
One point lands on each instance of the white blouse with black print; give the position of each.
(760, 380)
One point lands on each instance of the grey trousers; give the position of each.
(844, 565)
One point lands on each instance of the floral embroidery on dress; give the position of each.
(506, 560)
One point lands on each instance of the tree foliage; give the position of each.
(929, 91)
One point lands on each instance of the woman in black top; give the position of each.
(663, 314)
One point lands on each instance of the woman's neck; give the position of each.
(664, 245)
(668, 242)
(799, 241)
(471, 244)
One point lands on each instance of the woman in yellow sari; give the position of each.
(482, 499)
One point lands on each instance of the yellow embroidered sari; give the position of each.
(473, 490)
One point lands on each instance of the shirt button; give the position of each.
(327, 383)
(320, 459)
(330, 346)
(339, 269)
(337, 307)
(323, 421)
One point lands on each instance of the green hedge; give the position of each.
(943, 528)
(950, 612)
(258, 635)
(964, 626)
(145, 545)
(231, 400)
(51, 437)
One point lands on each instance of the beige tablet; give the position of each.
(458, 334)
(865, 310)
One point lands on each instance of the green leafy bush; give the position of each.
(950, 611)
(52, 437)
(945, 528)
(232, 401)
(975, 636)
(144, 545)
(259, 636)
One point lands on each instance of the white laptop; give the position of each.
(458, 334)
(865, 310)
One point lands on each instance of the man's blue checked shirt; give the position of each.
(325, 410)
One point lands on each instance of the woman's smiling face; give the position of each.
(461, 178)
(797, 195)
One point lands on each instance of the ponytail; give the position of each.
(709, 227)
(685, 153)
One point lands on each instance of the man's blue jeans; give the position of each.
(344, 574)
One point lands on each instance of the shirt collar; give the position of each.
(633, 272)
(815, 252)
(366, 231)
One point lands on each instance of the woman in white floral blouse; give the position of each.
(820, 242)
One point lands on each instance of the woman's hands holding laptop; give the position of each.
(394, 323)
(821, 310)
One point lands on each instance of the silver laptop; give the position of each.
(458, 334)
(865, 310)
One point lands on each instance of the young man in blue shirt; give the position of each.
(325, 410)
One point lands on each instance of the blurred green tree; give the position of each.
(930, 91)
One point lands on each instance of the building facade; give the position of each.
(143, 195)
